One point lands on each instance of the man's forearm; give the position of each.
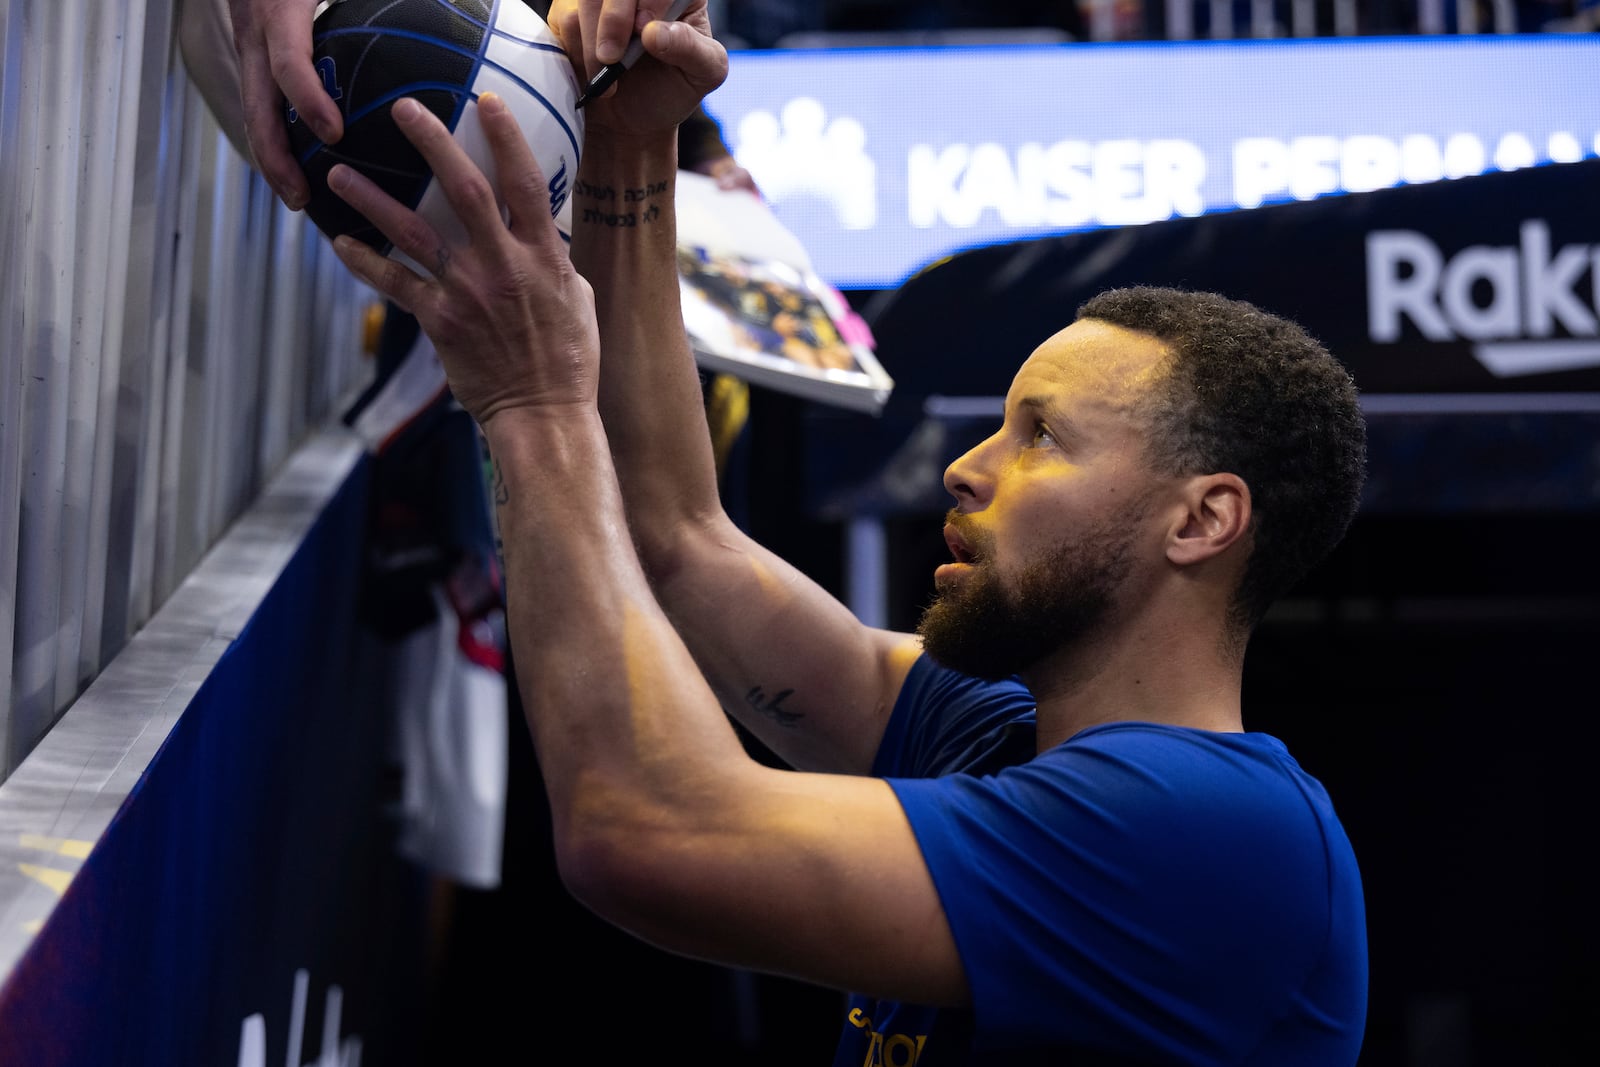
(625, 243)
(611, 694)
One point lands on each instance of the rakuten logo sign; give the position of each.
(1515, 299)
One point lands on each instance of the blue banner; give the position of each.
(885, 160)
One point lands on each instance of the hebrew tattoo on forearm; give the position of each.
(606, 205)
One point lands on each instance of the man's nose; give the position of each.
(967, 478)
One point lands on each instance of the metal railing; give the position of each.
(168, 333)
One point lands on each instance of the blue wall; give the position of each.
(253, 847)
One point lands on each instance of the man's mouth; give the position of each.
(958, 548)
(964, 544)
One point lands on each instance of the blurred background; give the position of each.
(197, 786)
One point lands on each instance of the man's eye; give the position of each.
(1042, 437)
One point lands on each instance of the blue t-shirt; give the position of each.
(1138, 894)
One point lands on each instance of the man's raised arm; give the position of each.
(663, 824)
(782, 654)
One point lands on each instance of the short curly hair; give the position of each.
(1253, 394)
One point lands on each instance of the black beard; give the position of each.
(992, 629)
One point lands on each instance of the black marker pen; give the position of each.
(612, 71)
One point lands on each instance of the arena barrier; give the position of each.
(196, 866)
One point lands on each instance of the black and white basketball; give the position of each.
(444, 54)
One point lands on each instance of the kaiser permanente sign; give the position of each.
(885, 160)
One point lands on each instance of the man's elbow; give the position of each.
(624, 870)
(594, 867)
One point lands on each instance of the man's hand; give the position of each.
(273, 39)
(513, 323)
(682, 61)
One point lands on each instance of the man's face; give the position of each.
(1051, 524)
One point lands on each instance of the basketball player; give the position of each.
(1036, 830)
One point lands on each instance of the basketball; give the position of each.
(444, 54)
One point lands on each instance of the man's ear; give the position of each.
(1216, 515)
